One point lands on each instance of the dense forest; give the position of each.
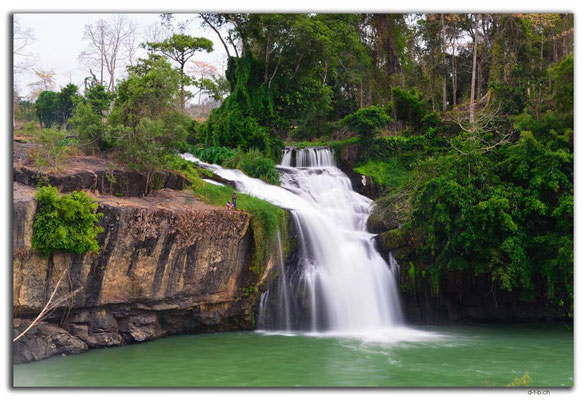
(464, 121)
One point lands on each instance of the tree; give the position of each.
(474, 70)
(180, 48)
(365, 122)
(150, 90)
(64, 104)
(22, 38)
(88, 118)
(110, 42)
(46, 82)
(45, 108)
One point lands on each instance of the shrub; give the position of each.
(87, 123)
(407, 106)
(50, 147)
(213, 155)
(65, 223)
(254, 164)
(144, 149)
(366, 121)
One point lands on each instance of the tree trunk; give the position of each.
(479, 78)
(443, 65)
(361, 95)
(454, 71)
(474, 69)
(267, 58)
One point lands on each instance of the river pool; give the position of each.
(451, 356)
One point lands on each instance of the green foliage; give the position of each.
(366, 121)
(98, 98)
(241, 120)
(407, 105)
(562, 75)
(150, 90)
(254, 164)
(50, 147)
(88, 125)
(146, 148)
(389, 174)
(24, 110)
(213, 155)
(65, 223)
(507, 213)
(251, 162)
(45, 108)
(180, 48)
(65, 103)
(56, 108)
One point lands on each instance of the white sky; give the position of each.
(58, 43)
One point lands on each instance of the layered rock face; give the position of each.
(167, 264)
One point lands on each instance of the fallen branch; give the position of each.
(50, 306)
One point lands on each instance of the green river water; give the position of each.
(452, 356)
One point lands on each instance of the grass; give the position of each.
(390, 174)
(323, 143)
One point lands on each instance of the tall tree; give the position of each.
(110, 43)
(180, 48)
(474, 69)
(444, 100)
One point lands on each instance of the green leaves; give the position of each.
(366, 121)
(65, 223)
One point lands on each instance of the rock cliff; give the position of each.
(167, 264)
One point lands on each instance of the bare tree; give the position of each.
(46, 81)
(110, 43)
(443, 64)
(22, 39)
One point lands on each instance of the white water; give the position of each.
(351, 288)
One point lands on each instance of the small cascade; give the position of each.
(307, 157)
(276, 301)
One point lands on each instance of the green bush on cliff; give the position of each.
(65, 223)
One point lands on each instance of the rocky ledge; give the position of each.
(167, 264)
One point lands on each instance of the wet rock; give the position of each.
(391, 241)
(42, 341)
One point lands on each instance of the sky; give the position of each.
(58, 43)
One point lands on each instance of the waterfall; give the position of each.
(308, 157)
(340, 282)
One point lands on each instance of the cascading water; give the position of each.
(308, 157)
(340, 283)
